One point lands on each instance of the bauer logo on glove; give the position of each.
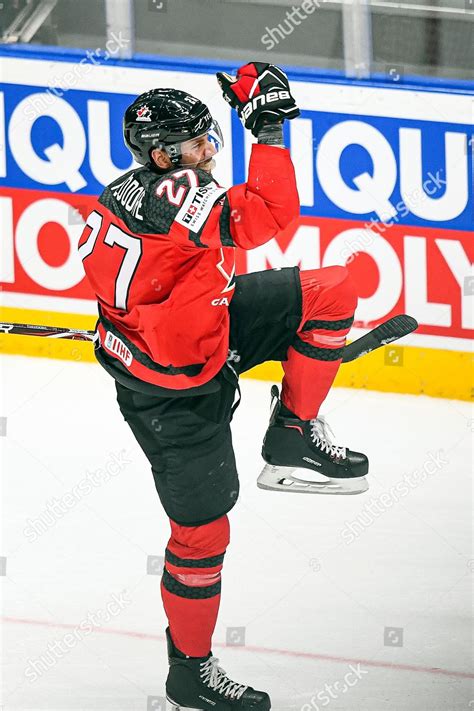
(260, 93)
(262, 100)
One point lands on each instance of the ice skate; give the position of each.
(292, 444)
(199, 684)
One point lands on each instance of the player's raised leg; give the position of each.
(297, 437)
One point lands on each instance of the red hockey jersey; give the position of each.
(158, 251)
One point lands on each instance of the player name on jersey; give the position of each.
(130, 194)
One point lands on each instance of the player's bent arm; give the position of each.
(250, 214)
(195, 212)
(267, 202)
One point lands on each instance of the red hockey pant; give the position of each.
(328, 305)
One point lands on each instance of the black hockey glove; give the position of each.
(260, 93)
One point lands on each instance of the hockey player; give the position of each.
(159, 253)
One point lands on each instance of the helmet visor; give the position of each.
(213, 136)
(201, 149)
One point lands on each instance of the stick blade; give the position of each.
(389, 331)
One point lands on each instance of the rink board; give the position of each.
(385, 176)
(394, 368)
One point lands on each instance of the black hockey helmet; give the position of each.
(165, 118)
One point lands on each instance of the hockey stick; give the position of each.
(23, 329)
(388, 331)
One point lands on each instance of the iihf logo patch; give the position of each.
(144, 113)
(118, 348)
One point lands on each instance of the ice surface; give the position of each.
(314, 581)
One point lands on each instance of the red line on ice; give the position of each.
(260, 650)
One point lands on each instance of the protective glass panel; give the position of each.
(304, 33)
(65, 23)
(423, 37)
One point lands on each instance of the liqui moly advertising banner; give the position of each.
(385, 175)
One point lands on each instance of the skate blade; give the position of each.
(275, 478)
(173, 706)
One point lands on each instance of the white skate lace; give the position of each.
(322, 436)
(215, 677)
